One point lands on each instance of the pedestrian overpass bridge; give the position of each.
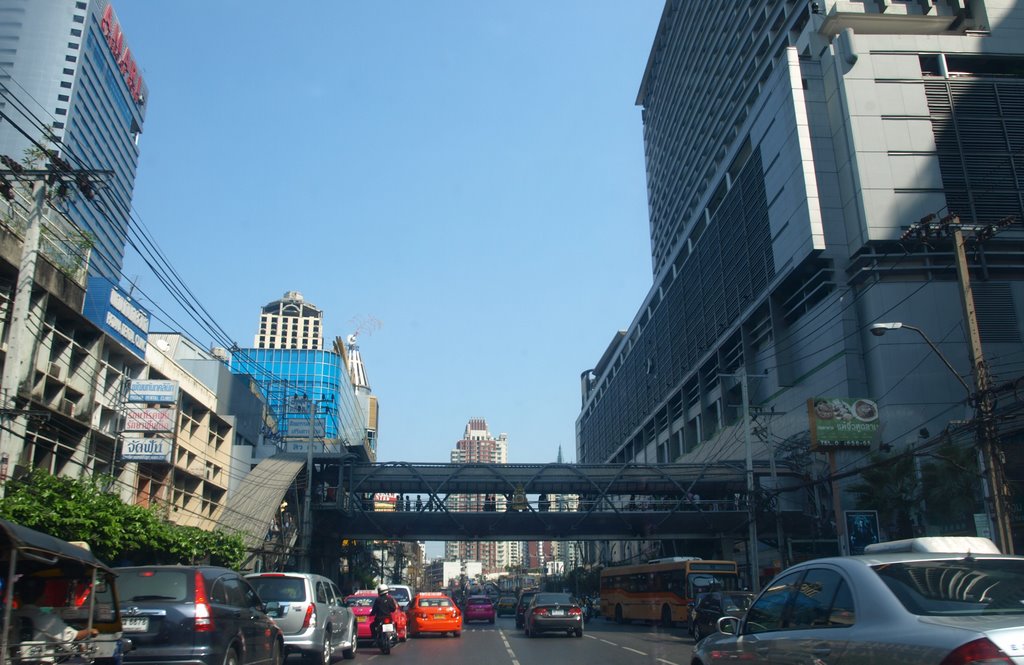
(598, 502)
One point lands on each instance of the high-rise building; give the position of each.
(290, 323)
(66, 70)
(478, 446)
(312, 392)
(789, 146)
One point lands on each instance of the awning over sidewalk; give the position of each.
(254, 505)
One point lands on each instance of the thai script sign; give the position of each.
(155, 449)
(842, 422)
(162, 392)
(149, 420)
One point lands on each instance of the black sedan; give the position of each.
(553, 612)
(714, 605)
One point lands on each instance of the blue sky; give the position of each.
(468, 174)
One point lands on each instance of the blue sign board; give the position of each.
(117, 314)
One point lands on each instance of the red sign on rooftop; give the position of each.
(118, 45)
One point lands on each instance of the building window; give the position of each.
(73, 46)
(71, 58)
(79, 19)
(75, 32)
(80, 5)
(69, 72)
(58, 125)
(61, 111)
(65, 84)
(63, 98)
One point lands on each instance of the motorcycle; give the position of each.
(387, 636)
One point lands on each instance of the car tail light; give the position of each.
(573, 611)
(310, 618)
(978, 652)
(204, 617)
(540, 610)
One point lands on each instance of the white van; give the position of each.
(402, 594)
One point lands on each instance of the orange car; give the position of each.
(434, 612)
(361, 603)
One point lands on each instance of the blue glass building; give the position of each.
(321, 376)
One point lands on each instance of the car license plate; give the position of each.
(362, 619)
(440, 616)
(558, 613)
(388, 627)
(135, 624)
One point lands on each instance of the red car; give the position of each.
(479, 608)
(361, 603)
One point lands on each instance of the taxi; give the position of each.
(434, 612)
(479, 608)
(361, 604)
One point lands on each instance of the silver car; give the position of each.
(311, 613)
(924, 600)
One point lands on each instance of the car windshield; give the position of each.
(553, 599)
(400, 595)
(435, 602)
(480, 601)
(279, 588)
(957, 587)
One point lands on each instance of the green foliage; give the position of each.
(889, 485)
(83, 509)
(951, 482)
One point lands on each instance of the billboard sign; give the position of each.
(116, 314)
(861, 529)
(149, 420)
(842, 422)
(153, 392)
(300, 428)
(148, 449)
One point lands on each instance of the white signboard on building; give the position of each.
(150, 449)
(150, 392)
(149, 420)
(303, 446)
(300, 428)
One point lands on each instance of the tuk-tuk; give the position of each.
(46, 581)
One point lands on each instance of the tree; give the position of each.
(890, 486)
(81, 509)
(951, 484)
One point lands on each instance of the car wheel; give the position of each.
(697, 636)
(618, 614)
(579, 632)
(457, 633)
(323, 656)
(231, 657)
(276, 654)
(491, 622)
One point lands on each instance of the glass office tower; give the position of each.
(66, 69)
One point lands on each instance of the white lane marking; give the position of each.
(635, 651)
(590, 637)
(607, 642)
(667, 662)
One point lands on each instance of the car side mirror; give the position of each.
(728, 625)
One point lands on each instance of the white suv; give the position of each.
(311, 613)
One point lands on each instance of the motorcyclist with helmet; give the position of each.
(384, 605)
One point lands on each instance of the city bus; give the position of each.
(662, 589)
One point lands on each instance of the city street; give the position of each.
(502, 644)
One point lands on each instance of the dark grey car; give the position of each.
(311, 612)
(195, 615)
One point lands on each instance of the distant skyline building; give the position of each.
(789, 146)
(67, 70)
(290, 323)
(478, 446)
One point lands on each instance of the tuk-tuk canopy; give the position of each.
(32, 542)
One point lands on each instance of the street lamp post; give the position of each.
(995, 507)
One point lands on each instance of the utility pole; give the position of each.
(22, 339)
(997, 493)
(752, 550)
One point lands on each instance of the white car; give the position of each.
(927, 601)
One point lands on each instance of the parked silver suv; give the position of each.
(311, 613)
